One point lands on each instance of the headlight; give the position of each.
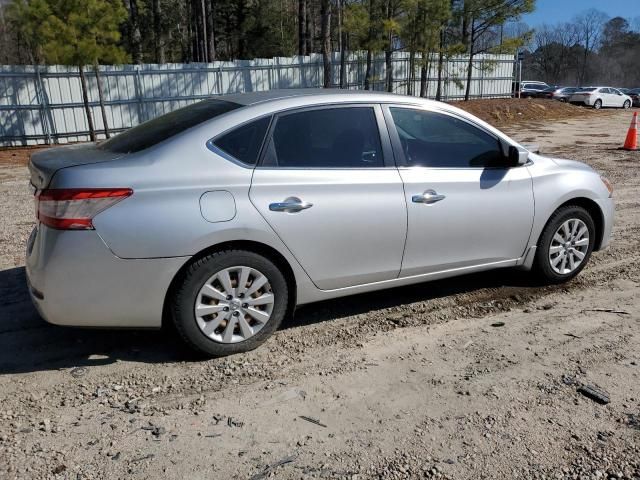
(607, 184)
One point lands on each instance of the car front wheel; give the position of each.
(229, 302)
(565, 245)
(627, 105)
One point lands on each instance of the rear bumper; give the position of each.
(75, 280)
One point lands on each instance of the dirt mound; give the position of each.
(502, 111)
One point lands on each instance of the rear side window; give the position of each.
(431, 139)
(244, 142)
(161, 128)
(346, 137)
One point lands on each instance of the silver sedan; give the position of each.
(221, 217)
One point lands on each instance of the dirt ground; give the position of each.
(470, 378)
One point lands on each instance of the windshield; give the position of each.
(154, 131)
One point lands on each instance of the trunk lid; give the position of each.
(44, 164)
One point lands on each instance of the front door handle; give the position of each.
(428, 197)
(290, 205)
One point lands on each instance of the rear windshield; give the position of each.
(590, 89)
(154, 131)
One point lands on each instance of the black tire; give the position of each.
(627, 105)
(598, 104)
(195, 276)
(542, 266)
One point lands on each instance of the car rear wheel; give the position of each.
(229, 302)
(598, 104)
(565, 245)
(627, 105)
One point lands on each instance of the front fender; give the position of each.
(556, 183)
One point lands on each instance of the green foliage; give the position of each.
(26, 18)
(72, 32)
(356, 21)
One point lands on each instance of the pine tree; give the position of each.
(75, 32)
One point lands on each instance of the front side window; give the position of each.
(431, 139)
(243, 143)
(346, 137)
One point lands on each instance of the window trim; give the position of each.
(401, 160)
(210, 144)
(388, 154)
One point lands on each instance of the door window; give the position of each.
(243, 143)
(345, 137)
(431, 139)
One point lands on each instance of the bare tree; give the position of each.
(325, 13)
(135, 36)
(589, 25)
(302, 27)
(158, 34)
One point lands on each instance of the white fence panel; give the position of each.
(43, 104)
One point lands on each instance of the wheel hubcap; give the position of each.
(569, 246)
(234, 304)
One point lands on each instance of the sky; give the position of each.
(555, 11)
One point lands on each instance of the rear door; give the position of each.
(328, 187)
(463, 209)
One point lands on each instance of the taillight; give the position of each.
(74, 208)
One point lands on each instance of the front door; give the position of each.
(327, 188)
(463, 209)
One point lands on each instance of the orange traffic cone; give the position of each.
(631, 143)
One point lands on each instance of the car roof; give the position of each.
(253, 98)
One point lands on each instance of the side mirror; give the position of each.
(517, 157)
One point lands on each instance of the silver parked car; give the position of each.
(225, 215)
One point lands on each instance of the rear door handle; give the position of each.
(290, 205)
(428, 197)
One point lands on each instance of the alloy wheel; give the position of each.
(569, 246)
(234, 304)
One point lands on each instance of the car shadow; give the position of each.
(29, 344)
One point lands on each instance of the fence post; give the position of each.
(138, 90)
(481, 77)
(44, 106)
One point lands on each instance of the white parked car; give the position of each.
(598, 97)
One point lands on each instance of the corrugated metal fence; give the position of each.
(44, 104)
